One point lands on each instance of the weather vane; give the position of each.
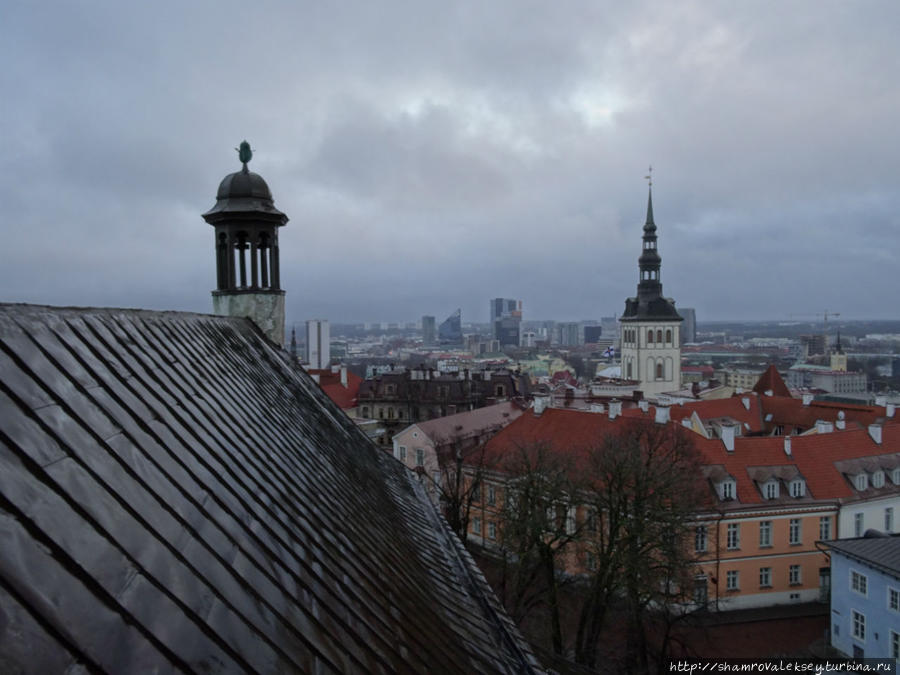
(649, 176)
(245, 154)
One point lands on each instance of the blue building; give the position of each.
(865, 595)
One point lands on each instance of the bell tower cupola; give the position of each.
(246, 226)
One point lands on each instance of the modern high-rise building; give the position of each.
(651, 344)
(429, 331)
(689, 327)
(569, 334)
(506, 321)
(318, 343)
(450, 331)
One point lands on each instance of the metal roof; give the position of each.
(176, 496)
(880, 552)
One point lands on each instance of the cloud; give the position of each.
(434, 155)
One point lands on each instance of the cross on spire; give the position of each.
(649, 176)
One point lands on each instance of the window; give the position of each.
(895, 645)
(765, 533)
(861, 481)
(492, 495)
(492, 530)
(420, 457)
(858, 525)
(795, 531)
(825, 528)
(500, 390)
(650, 337)
(794, 575)
(893, 599)
(732, 580)
(365, 412)
(700, 539)
(895, 476)
(859, 583)
(659, 370)
(798, 488)
(771, 490)
(590, 522)
(765, 577)
(668, 336)
(878, 479)
(476, 525)
(402, 453)
(390, 413)
(727, 489)
(734, 536)
(889, 519)
(859, 625)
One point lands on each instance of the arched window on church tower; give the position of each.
(650, 337)
(659, 336)
(659, 370)
(668, 336)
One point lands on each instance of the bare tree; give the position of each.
(645, 488)
(537, 524)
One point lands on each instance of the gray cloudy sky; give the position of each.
(432, 155)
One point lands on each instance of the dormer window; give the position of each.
(861, 482)
(878, 479)
(895, 476)
(798, 488)
(727, 489)
(770, 489)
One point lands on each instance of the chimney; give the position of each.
(769, 392)
(746, 401)
(841, 420)
(541, 403)
(787, 445)
(728, 436)
(344, 376)
(875, 433)
(824, 427)
(889, 410)
(644, 405)
(662, 414)
(334, 367)
(597, 408)
(807, 399)
(615, 408)
(881, 400)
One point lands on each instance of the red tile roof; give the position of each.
(814, 456)
(771, 381)
(345, 397)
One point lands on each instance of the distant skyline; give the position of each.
(435, 155)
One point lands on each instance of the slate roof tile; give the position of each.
(175, 495)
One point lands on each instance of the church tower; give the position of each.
(246, 226)
(650, 326)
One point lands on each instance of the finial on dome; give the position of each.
(245, 154)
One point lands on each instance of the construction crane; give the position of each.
(824, 314)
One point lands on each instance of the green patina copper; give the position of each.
(244, 152)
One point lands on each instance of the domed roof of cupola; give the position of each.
(244, 194)
(242, 184)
